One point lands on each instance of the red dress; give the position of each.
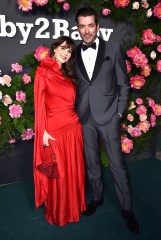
(54, 97)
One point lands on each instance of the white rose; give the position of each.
(149, 13)
(7, 80)
(142, 117)
(0, 95)
(153, 55)
(135, 5)
(2, 81)
(7, 100)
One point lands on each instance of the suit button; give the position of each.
(90, 84)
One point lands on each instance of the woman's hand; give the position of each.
(46, 138)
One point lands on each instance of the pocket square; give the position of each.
(106, 58)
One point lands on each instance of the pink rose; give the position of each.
(5, 80)
(41, 53)
(141, 109)
(128, 66)
(130, 117)
(158, 65)
(148, 37)
(0, 95)
(59, 1)
(121, 3)
(13, 140)
(16, 68)
(137, 82)
(7, 100)
(123, 126)
(126, 145)
(153, 119)
(144, 4)
(145, 70)
(134, 131)
(21, 96)
(15, 111)
(157, 109)
(66, 6)
(27, 134)
(151, 102)
(106, 11)
(131, 53)
(139, 101)
(123, 136)
(159, 48)
(144, 126)
(157, 10)
(158, 38)
(26, 78)
(25, 5)
(140, 60)
(40, 2)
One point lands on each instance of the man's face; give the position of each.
(87, 28)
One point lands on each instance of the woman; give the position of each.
(58, 134)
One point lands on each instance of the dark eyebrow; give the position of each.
(90, 24)
(67, 47)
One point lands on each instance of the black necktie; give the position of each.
(85, 47)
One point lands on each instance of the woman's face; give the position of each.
(62, 53)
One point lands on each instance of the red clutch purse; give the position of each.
(49, 168)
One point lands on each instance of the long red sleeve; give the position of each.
(40, 117)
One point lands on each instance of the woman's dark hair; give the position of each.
(67, 67)
(85, 12)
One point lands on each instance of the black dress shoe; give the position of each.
(91, 208)
(131, 221)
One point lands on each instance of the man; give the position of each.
(102, 95)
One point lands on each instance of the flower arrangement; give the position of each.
(143, 67)
(17, 118)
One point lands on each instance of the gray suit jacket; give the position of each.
(107, 92)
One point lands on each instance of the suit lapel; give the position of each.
(80, 63)
(99, 59)
(98, 63)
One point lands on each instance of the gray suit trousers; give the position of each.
(110, 134)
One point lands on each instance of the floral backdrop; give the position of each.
(143, 60)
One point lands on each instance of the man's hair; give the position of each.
(85, 12)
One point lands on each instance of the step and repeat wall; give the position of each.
(21, 33)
